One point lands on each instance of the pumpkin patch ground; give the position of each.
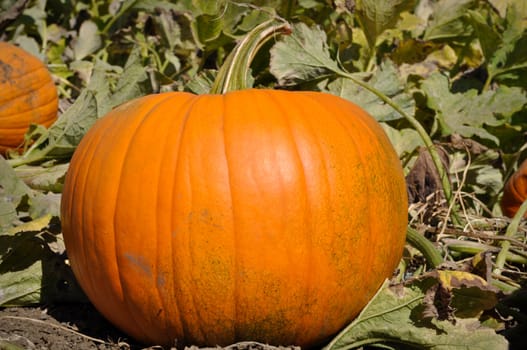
(73, 326)
(319, 174)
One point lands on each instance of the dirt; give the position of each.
(79, 327)
(58, 327)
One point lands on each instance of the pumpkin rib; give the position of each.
(159, 100)
(366, 124)
(190, 112)
(282, 105)
(23, 87)
(127, 301)
(116, 121)
(78, 176)
(44, 112)
(332, 197)
(378, 136)
(186, 110)
(324, 103)
(162, 131)
(29, 64)
(46, 95)
(229, 119)
(369, 212)
(104, 132)
(227, 107)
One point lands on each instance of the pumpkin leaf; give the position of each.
(31, 272)
(405, 141)
(21, 288)
(386, 80)
(302, 56)
(67, 131)
(468, 113)
(399, 316)
(448, 21)
(18, 200)
(44, 177)
(12, 191)
(508, 59)
(88, 40)
(377, 16)
(487, 35)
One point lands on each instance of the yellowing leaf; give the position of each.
(457, 279)
(34, 225)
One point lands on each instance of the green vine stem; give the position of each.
(423, 245)
(506, 244)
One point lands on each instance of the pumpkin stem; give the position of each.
(234, 74)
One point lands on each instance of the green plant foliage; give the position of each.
(411, 318)
(467, 113)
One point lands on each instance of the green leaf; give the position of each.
(468, 113)
(489, 38)
(65, 134)
(10, 183)
(396, 318)
(509, 58)
(201, 83)
(219, 25)
(405, 141)
(448, 20)
(88, 41)
(31, 273)
(12, 191)
(387, 81)
(207, 28)
(21, 288)
(377, 16)
(302, 56)
(44, 178)
(132, 83)
(209, 7)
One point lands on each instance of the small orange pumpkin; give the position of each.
(515, 191)
(27, 95)
(262, 215)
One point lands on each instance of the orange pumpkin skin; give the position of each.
(27, 95)
(259, 215)
(515, 191)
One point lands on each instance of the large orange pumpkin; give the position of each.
(515, 191)
(260, 215)
(27, 95)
